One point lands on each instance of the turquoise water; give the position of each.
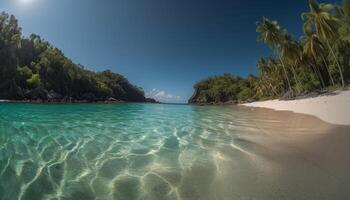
(144, 151)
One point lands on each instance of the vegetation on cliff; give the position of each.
(31, 68)
(317, 62)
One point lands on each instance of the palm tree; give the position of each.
(291, 53)
(320, 19)
(314, 48)
(270, 34)
(265, 74)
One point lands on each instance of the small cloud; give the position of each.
(163, 96)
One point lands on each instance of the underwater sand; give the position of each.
(145, 151)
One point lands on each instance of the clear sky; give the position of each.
(164, 46)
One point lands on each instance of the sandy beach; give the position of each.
(333, 108)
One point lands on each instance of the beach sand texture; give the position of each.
(333, 108)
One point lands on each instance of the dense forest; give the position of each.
(318, 62)
(32, 69)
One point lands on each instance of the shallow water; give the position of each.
(144, 151)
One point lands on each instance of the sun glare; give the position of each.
(26, 1)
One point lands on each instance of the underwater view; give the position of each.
(150, 151)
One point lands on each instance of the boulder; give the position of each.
(112, 99)
(52, 95)
(250, 100)
(37, 93)
(231, 102)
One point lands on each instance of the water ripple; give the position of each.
(135, 151)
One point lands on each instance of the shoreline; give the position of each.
(333, 108)
(39, 101)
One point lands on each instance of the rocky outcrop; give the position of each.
(150, 100)
(9, 90)
(52, 95)
(111, 99)
(37, 93)
(196, 98)
(133, 95)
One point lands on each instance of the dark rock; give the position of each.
(112, 99)
(231, 102)
(197, 98)
(247, 101)
(37, 93)
(250, 100)
(193, 98)
(52, 95)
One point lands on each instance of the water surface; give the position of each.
(144, 151)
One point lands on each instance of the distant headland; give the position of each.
(31, 69)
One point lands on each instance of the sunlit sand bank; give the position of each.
(333, 108)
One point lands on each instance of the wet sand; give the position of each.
(292, 156)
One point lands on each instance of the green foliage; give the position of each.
(225, 88)
(34, 81)
(10, 37)
(23, 74)
(319, 61)
(245, 94)
(46, 66)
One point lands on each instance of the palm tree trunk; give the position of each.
(336, 60)
(285, 73)
(318, 73)
(329, 72)
(272, 88)
(321, 78)
(296, 77)
(269, 83)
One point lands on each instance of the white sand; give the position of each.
(333, 109)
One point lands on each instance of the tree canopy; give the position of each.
(318, 62)
(30, 63)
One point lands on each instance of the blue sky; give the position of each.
(164, 46)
